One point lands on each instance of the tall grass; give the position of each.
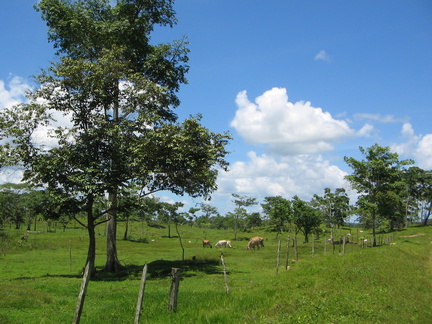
(40, 279)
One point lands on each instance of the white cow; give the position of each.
(224, 243)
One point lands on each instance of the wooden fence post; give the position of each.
(287, 253)
(141, 294)
(82, 293)
(225, 274)
(295, 248)
(278, 257)
(313, 245)
(325, 245)
(343, 247)
(172, 305)
(70, 256)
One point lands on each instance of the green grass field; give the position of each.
(392, 283)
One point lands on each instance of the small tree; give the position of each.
(208, 211)
(335, 207)
(305, 217)
(378, 183)
(12, 203)
(237, 219)
(279, 211)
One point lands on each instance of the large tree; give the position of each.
(119, 92)
(378, 181)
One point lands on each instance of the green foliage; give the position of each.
(305, 217)
(335, 206)
(279, 210)
(377, 180)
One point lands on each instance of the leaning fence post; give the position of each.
(82, 293)
(225, 274)
(278, 257)
(172, 305)
(141, 294)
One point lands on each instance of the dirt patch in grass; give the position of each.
(414, 235)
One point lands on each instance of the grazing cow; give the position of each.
(256, 241)
(206, 243)
(224, 243)
(340, 241)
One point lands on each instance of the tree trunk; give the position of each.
(112, 263)
(406, 213)
(425, 220)
(126, 229)
(91, 253)
(374, 243)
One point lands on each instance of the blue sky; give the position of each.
(299, 84)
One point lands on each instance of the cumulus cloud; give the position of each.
(322, 56)
(418, 147)
(285, 127)
(265, 175)
(14, 92)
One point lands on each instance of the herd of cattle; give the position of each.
(254, 242)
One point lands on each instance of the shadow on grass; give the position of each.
(155, 270)
(161, 269)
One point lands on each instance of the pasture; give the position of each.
(40, 279)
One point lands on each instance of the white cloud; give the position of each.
(287, 128)
(366, 131)
(265, 175)
(418, 147)
(11, 175)
(423, 152)
(379, 118)
(322, 56)
(14, 92)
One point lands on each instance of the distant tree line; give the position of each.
(391, 195)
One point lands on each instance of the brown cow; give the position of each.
(207, 243)
(256, 241)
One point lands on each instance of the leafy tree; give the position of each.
(424, 195)
(237, 219)
(208, 211)
(279, 211)
(335, 207)
(12, 203)
(191, 215)
(378, 183)
(119, 92)
(305, 217)
(219, 222)
(253, 220)
(168, 214)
